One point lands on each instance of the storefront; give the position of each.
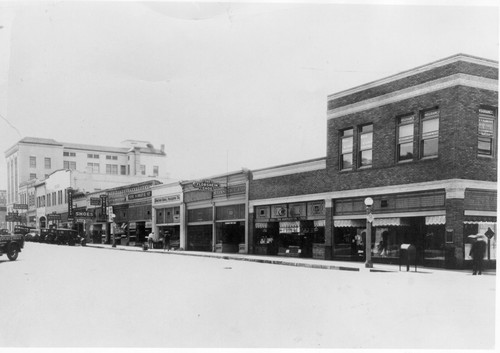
(168, 214)
(216, 213)
(290, 229)
(418, 219)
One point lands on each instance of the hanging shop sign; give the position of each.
(139, 195)
(95, 201)
(70, 202)
(54, 216)
(206, 184)
(20, 206)
(84, 214)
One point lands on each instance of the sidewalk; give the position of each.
(291, 261)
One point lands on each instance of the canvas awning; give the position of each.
(355, 223)
(385, 222)
(430, 220)
(319, 223)
(290, 227)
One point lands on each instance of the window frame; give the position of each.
(32, 161)
(407, 139)
(426, 116)
(362, 133)
(345, 137)
(489, 114)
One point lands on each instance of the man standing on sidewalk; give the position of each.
(477, 252)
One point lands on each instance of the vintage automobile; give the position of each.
(11, 245)
(66, 237)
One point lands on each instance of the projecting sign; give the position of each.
(95, 201)
(84, 214)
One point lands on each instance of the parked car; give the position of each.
(47, 236)
(4, 231)
(66, 237)
(33, 236)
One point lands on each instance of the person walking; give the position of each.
(477, 252)
(166, 241)
(150, 239)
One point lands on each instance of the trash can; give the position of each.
(407, 255)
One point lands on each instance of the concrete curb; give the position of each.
(248, 258)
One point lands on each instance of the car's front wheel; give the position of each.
(12, 252)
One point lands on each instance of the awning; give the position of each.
(319, 223)
(430, 220)
(261, 225)
(290, 227)
(355, 223)
(394, 221)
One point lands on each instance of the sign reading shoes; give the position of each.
(84, 214)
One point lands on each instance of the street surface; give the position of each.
(61, 296)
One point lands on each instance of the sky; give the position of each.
(223, 85)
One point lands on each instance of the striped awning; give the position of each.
(290, 227)
(319, 223)
(430, 220)
(385, 222)
(355, 223)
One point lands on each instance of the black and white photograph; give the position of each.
(249, 175)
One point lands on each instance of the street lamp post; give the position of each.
(369, 219)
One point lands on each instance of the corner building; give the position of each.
(423, 145)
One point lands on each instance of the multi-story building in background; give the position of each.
(34, 160)
(3, 208)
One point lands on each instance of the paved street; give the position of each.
(88, 297)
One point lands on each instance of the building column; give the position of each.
(251, 230)
(454, 204)
(183, 226)
(329, 245)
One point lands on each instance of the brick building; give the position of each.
(422, 144)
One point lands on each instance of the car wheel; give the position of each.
(12, 252)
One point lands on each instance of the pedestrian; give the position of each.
(166, 241)
(150, 239)
(477, 252)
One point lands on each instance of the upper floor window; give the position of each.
(93, 167)
(366, 145)
(32, 162)
(90, 155)
(430, 134)
(123, 170)
(111, 169)
(47, 163)
(59, 197)
(69, 165)
(155, 170)
(143, 169)
(405, 137)
(112, 157)
(32, 175)
(486, 132)
(69, 154)
(346, 148)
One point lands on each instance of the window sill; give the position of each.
(428, 158)
(405, 161)
(485, 156)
